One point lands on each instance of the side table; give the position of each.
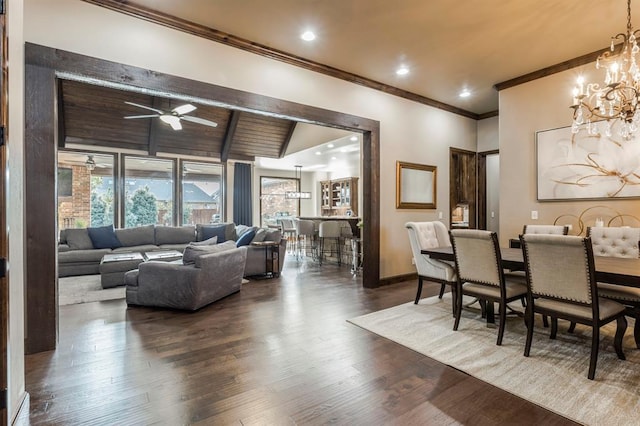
(271, 256)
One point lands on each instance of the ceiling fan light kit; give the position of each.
(174, 117)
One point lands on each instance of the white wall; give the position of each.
(15, 208)
(409, 131)
(493, 192)
(488, 134)
(538, 105)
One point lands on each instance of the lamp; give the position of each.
(300, 195)
(617, 100)
(90, 164)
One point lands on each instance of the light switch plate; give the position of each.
(534, 214)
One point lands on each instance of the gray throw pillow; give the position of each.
(78, 239)
(191, 252)
(211, 241)
(260, 235)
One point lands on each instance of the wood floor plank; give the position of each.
(278, 352)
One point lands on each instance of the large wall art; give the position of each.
(584, 166)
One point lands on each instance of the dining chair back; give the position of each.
(479, 271)
(561, 284)
(619, 242)
(546, 229)
(305, 237)
(329, 231)
(426, 235)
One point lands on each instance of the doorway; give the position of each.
(489, 190)
(42, 66)
(462, 189)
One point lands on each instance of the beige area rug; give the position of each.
(87, 288)
(554, 376)
(84, 289)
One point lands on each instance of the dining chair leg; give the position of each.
(419, 290)
(454, 299)
(636, 327)
(458, 307)
(441, 291)
(595, 342)
(572, 327)
(483, 308)
(503, 320)
(554, 328)
(529, 322)
(545, 321)
(620, 330)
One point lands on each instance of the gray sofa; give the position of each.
(188, 287)
(76, 255)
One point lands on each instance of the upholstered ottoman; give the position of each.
(113, 267)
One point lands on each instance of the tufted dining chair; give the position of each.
(424, 235)
(480, 274)
(561, 284)
(619, 242)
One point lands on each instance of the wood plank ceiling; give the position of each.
(94, 116)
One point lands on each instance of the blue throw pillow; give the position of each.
(214, 231)
(104, 237)
(246, 238)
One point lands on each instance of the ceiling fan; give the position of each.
(173, 117)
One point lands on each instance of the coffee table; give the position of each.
(114, 265)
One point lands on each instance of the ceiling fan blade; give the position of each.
(199, 120)
(184, 109)
(142, 116)
(175, 125)
(144, 106)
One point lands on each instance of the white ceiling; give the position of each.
(448, 45)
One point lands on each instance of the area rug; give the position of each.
(87, 288)
(554, 376)
(84, 289)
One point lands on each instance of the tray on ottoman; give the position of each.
(114, 265)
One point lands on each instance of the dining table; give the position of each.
(613, 270)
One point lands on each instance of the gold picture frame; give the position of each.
(415, 186)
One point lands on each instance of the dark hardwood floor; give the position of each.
(279, 352)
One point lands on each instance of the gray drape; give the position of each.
(242, 212)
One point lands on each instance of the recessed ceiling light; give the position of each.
(465, 93)
(333, 158)
(330, 145)
(402, 70)
(318, 153)
(343, 150)
(353, 138)
(308, 36)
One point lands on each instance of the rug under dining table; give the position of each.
(554, 376)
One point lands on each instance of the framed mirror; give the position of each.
(415, 186)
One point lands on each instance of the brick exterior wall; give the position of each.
(75, 211)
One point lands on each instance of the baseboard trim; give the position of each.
(398, 279)
(22, 416)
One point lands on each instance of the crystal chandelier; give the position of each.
(617, 100)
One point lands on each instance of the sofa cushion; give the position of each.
(136, 249)
(211, 241)
(246, 238)
(191, 252)
(82, 256)
(78, 239)
(138, 236)
(273, 235)
(175, 234)
(104, 237)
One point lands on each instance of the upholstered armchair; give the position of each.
(561, 284)
(211, 277)
(424, 235)
(619, 242)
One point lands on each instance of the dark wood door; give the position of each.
(463, 188)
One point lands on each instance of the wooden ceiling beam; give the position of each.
(287, 139)
(60, 105)
(229, 134)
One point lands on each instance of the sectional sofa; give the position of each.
(78, 254)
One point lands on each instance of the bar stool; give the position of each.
(305, 237)
(346, 235)
(289, 232)
(329, 230)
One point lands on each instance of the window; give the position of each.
(201, 193)
(273, 203)
(85, 189)
(148, 191)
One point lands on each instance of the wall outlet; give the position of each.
(439, 215)
(569, 226)
(534, 214)
(413, 260)
(493, 214)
